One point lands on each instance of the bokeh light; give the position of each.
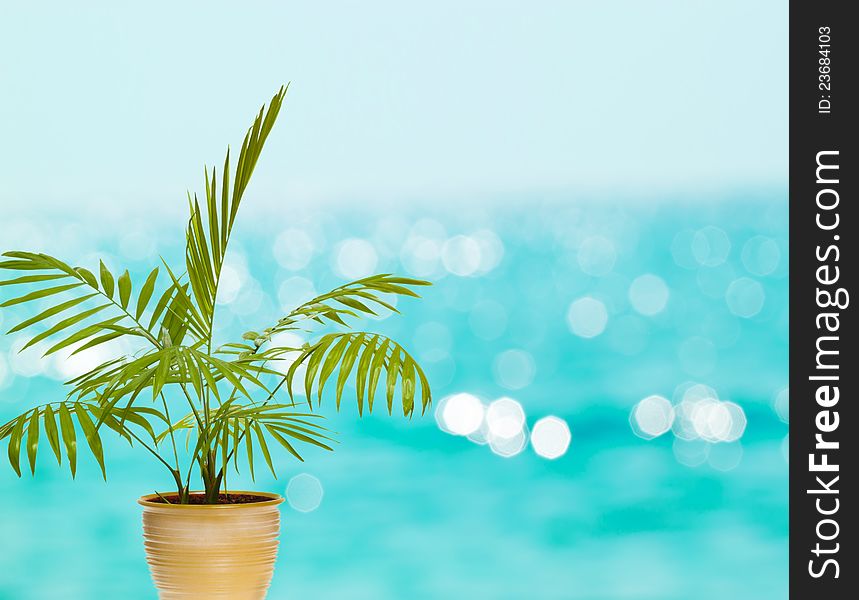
(596, 256)
(249, 300)
(761, 255)
(691, 453)
(652, 417)
(505, 418)
(700, 414)
(725, 457)
(711, 246)
(230, 284)
(25, 363)
(687, 397)
(289, 339)
(587, 317)
(738, 422)
(420, 256)
(295, 291)
(491, 249)
(508, 446)
(648, 294)
(711, 420)
(745, 297)
(461, 414)
(551, 437)
(293, 249)
(65, 365)
(461, 255)
(304, 492)
(514, 369)
(355, 258)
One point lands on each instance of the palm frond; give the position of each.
(57, 420)
(363, 297)
(79, 320)
(278, 422)
(209, 229)
(375, 355)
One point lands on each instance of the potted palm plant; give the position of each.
(227, 401)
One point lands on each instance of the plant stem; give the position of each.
(242, 435)
(170, 425)
(154, 453)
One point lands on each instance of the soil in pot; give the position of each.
(222, 499)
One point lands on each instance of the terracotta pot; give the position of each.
(211, 551)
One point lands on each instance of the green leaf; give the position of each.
(64, 324)
(375, 371)
(330, 364)
(426, 393)
(356, 304)
(22, 265)
(264, 448)
(161, 306)
(408, 375)
(193, 372)
(346, 365)
(407, 281)
(161, 372)
(102, 339)
(393, 371)
(82, 335)
(294, 433)
(124, 285)
(283, 442)
(50, 312)
(146, 293)
(363, 372)
(227, 371)
(33, 440)
(51, 432)
(211, 383)
(14, 449)
(33, 279)
(92, 436)
(87, 276)
(134, 415)
(67, 428)
(250, 450)
(182, 311)
(106, 279)
(41, 294)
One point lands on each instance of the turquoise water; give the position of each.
(410, 511)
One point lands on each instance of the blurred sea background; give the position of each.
(598, 194)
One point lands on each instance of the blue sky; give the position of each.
(120, 103)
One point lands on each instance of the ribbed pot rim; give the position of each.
(276, 499)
